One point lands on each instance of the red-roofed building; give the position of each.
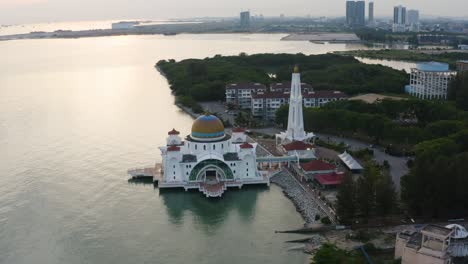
(315, 167)
(297, 145)
(173, 132)
(329, 179)
(304, 150)
(246, 145)
(173, 148)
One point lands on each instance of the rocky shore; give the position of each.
(307, 208)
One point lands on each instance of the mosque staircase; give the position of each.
(213, 190)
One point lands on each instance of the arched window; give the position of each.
(222, 146)
(214, 146)
(204, 147)
(195, 146)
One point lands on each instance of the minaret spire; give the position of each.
(295, 131)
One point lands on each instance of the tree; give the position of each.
(330, 254)
(346, 199)
(385, 195)
(365, 198)
(458, 90)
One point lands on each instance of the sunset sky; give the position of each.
(31, 11)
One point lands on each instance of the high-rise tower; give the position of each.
(370, 19)
(295, 131)
(355, 13)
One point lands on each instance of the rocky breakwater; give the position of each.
(301, 199)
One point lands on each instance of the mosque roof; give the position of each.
(245, 145)
(207, 127)
(173, 148)
(173, 132)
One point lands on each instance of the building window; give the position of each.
(234, 171)
(222, 146)
(204, 147)
(195, 146)
(173, 166)
(214, 147)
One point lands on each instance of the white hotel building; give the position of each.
(264, 102)
(430, 80)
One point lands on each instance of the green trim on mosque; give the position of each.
(218, 163)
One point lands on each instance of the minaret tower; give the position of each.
(295, 131)
(295, 118)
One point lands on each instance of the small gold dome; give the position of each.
(296, 69)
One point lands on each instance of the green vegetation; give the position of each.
(435, 132)
(325, 220)
(408, 55)
(437, 184)
(330, 254)
(398, 125)
(197, 80)
(373, 194)
(459, 90)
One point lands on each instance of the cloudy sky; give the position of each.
(31, 11)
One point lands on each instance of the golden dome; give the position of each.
(296, 69)
(207, 127)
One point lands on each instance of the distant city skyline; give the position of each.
(34, 11)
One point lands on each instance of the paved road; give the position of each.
(398, 166)
(218, 108)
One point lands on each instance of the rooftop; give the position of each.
(312, 94)
(245, 85)
(297, 145)
(271, 95)
(173, 148)
(317, 165)
(432, 66)
(173, 132)
(245, 145)
(287, 85)
(439, 230)
(333, 178)
(349, 161)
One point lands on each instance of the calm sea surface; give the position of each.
(76, 114)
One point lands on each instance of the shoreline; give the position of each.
(291, 189)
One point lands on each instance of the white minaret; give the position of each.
(295, 131)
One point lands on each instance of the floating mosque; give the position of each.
(211, 159)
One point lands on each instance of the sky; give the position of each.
(34, 11)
